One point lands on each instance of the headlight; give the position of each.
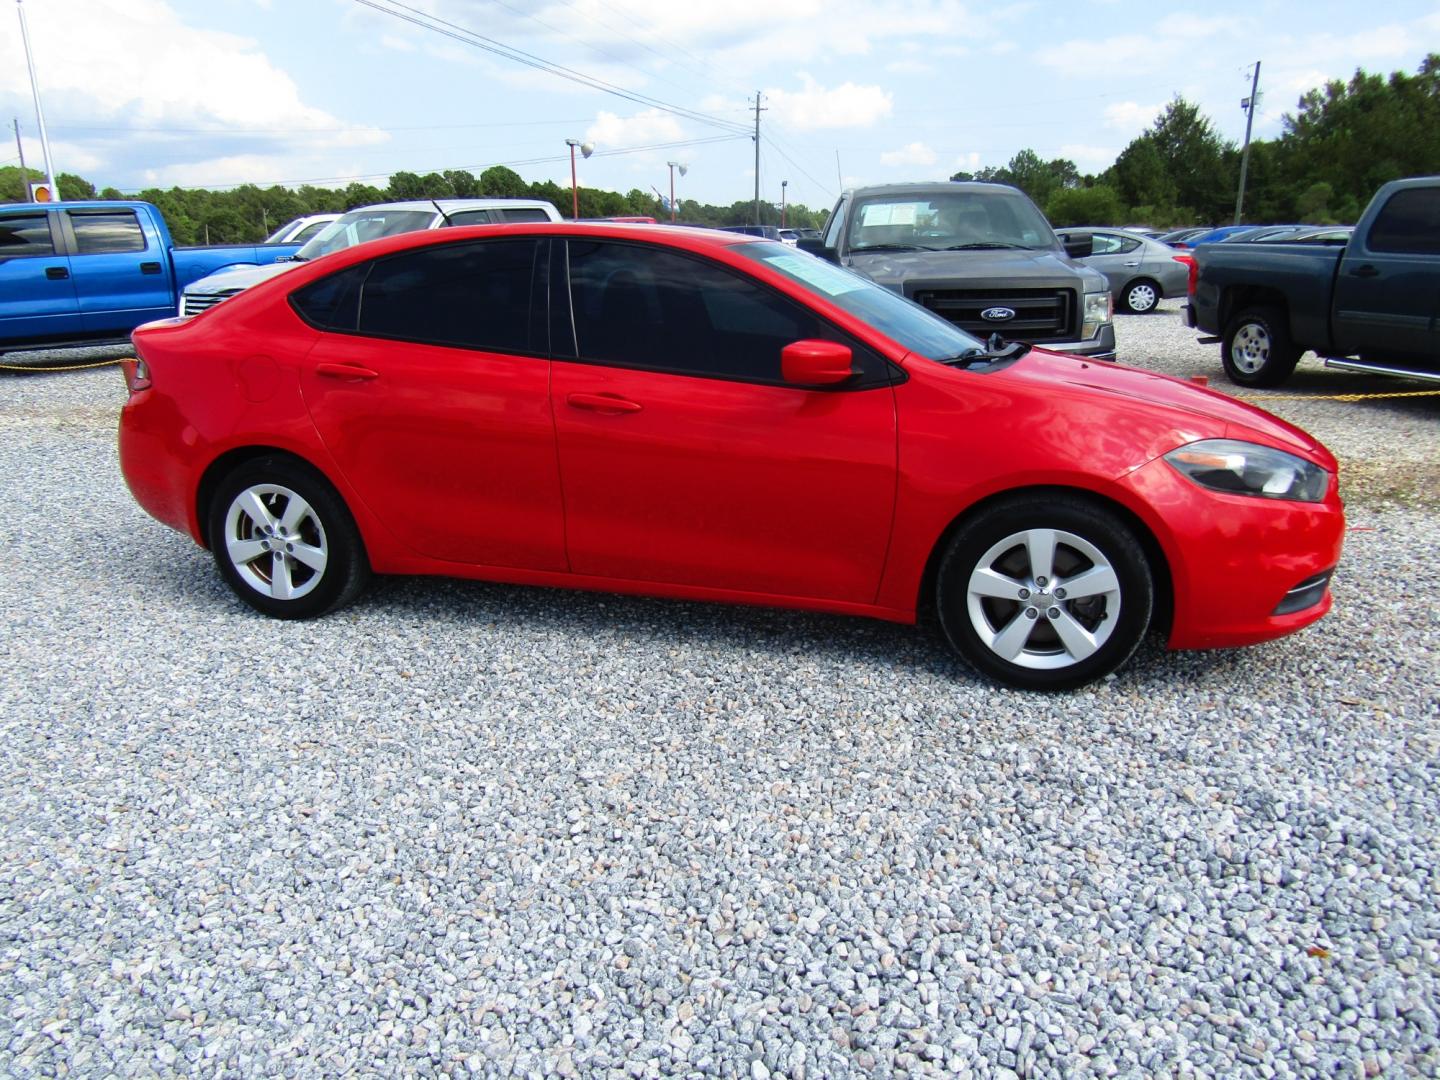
(1099, 310)
(1242, 468)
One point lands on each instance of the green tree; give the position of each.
(501, 182)
(1099, 205)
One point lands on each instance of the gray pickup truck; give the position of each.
(980, 255)
(1372, 305)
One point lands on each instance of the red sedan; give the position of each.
(699, 414)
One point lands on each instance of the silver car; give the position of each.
(1141, 271)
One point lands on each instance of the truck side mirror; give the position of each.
(1080, 246)
(815, 246)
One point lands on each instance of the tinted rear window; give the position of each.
(1409, 223)
(25, 234)
(107, 233)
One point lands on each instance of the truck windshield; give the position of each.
(903, 321)
(360, 225)
(949, 221)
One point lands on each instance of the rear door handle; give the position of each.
(602, 403)
(1365, 270)
(57, 273)
(1132, 263)
(345, 371)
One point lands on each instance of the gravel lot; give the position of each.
(463, 828)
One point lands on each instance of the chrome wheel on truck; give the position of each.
(1256, 349)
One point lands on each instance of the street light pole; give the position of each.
(39, 112)
(24, 174)
(574, 182)
(683, 170)
(783, 185)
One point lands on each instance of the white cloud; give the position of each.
(1130, 117)
(815, 107)
(916, 153)
(1089, 158)
(612, 132)
(108, 67)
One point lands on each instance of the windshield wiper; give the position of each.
(887, 247)
(997, 348)
(985, 245)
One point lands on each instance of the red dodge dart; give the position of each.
(700, 414)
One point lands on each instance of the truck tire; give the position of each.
(1256, 349)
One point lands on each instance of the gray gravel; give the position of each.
(465, 829)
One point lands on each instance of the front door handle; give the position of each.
(150, 268)
(57, 273)
(602, 403)
(1133, 263)
(345, 371)
(1365, 270)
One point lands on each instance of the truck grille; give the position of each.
(1040, 314)
(194, 303)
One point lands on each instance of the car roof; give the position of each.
(448, 205)
(937, 187)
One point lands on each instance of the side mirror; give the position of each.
(816, 246)
(1080, 247)
(816, 363)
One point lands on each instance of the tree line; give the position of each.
(1343, 141)
(249, 213)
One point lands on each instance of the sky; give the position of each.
(214, 93)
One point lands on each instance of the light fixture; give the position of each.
(586, 149)
(683, 170)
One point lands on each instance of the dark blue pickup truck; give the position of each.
(93, 271)
(1371, 306)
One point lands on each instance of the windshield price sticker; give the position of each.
(829, 279)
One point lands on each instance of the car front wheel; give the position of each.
(1045, 592)
(284, 540)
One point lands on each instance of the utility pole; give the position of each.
(758, 111)
(1249, 105)
(24, 175)
(39, 112)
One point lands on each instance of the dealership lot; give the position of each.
(462, 827)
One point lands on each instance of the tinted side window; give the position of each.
(524, 213)
(107, 233)
(1105, 244)
(641, 307)
(314, 229)
(332, 303)
(468, 217)
(1409, 223)
(1128, 244)
(833, 223)
(476, 295)
(25, 234)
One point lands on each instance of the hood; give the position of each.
(906, 271)
(1239, 420)
(235, 278)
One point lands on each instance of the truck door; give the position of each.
(1387, 294)
(121, 273)
(37, 295)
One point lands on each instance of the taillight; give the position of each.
(1190, 264)
(137, 374)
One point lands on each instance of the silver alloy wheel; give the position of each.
(1043, 599)
(275, 541)
(1141, 297)
(1250, 348)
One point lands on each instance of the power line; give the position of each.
(466, 36)
(230, 132)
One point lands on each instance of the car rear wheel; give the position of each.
(285, 541)
(1140, 297)
(1045, 592)
(1256, 349)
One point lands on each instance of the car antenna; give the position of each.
(441, 210)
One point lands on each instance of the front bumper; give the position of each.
(1099, 347)
(1235, 559)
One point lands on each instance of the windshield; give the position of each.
(360, 225)
(949, 221)
(903, 321)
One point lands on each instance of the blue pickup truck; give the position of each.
(93, 271)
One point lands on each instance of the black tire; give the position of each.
(255, 510)
(1257, 350)
(993, 549)
(1140, 297)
